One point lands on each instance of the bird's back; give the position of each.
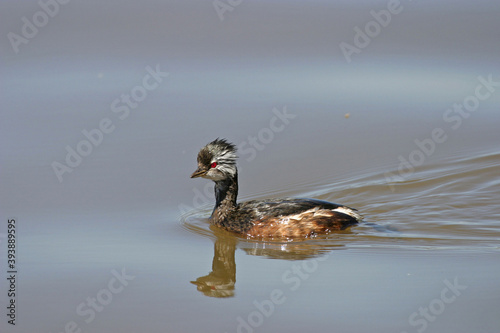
(289, 218)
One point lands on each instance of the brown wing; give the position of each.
(301, 225)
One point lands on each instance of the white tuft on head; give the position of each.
(224, 154)
(348, 211)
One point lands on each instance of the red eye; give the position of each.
(213, 165)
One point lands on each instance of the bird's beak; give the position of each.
(198, 173)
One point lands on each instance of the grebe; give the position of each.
(285, 218)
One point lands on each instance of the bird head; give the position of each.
(217, 161)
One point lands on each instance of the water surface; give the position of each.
(122, 243)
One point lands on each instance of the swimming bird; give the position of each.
(276, 218)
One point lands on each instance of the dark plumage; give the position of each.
(271, 218)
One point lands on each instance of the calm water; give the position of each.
(119, 241)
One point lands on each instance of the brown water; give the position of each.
(122, 243)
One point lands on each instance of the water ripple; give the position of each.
(450, 203)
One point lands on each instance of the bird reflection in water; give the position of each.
(220, 282)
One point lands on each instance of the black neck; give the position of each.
(226, 192)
